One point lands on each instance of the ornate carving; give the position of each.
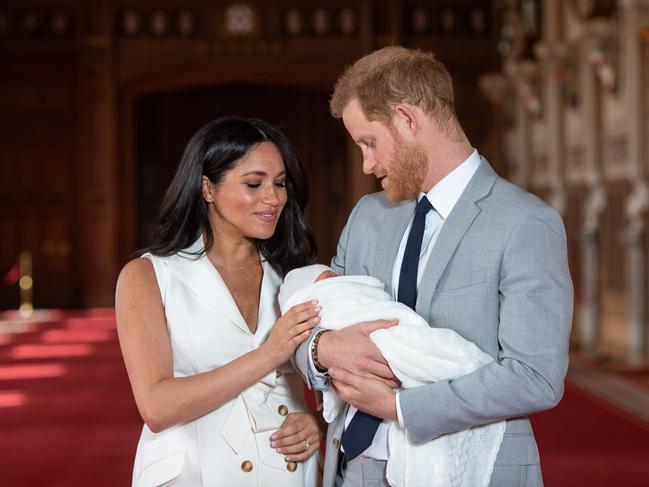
(159, 23)
(601, 41)
(527, 82)
(589, 9)
(294, 23)
(521, 29)
(496, 87)
(133, 22)
(636, 10)
(347, 21)
(635, 209)
(239, 20)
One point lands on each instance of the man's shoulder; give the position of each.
(513, 202)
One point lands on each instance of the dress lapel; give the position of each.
(452, 232)
(268, 306)
(200, 276)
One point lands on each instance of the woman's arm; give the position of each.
(164, 400)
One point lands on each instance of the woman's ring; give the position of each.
(307, 445)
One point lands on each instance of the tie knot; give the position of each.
(423, 206)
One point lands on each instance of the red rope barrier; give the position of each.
(12, 276)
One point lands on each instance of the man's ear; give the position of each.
(407, 120)
(206, 186)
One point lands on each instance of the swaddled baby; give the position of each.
(417, 354)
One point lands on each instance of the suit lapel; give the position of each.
(452, 232)
(395, 222)
(200, 276)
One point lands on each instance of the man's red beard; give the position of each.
(407, 170)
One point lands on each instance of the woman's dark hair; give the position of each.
(213, 151)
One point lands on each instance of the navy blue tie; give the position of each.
(410, 265)
(359, 435)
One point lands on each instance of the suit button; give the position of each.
(282, 410)
(336, 443)
(291, 466)
(246, 466)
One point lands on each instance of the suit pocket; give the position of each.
(161, 471)
(518, 449)
(460, 280)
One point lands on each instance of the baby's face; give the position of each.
(326, 275)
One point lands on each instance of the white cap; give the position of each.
(298, 279)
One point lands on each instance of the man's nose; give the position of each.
(369, 163)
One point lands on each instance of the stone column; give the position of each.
(635, 14)
(97, 157)
(552, 53)
(525, 77)
(591, 109)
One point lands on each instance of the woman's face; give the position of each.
(249, 199)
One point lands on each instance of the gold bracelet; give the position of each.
(314, 351)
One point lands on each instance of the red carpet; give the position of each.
(585, 444)
(67, 417)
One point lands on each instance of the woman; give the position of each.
(198, 323)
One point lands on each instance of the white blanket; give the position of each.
(417, 354)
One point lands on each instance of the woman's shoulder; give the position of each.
(137, 272)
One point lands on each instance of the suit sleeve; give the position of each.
(536, 299)
(301, 357)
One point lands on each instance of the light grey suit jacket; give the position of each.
(498, 275)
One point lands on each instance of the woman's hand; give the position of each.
(299, 436)
(290, 330)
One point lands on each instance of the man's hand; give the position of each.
(368, 395)
(352, 349)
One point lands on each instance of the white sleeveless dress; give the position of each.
(229, 446)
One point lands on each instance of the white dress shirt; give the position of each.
(443, 196)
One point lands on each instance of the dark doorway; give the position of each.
(166, 121)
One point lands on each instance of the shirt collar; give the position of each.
(444, 195)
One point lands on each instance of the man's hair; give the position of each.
(392, 75)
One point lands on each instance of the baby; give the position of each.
(417, 354)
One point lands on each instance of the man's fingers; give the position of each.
(380, 371)
(340, 375)
(392, 384)
(344, 391)
(370, 326)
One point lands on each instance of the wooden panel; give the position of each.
(37, 191)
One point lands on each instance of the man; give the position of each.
(467, 250)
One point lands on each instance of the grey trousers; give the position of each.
(367, 472)
(363, 472)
